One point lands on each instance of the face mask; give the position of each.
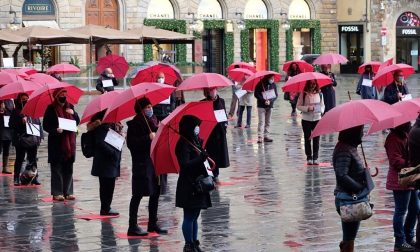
(110, 75)
(62, 99)
(213, 93)
(23, 103)
(161, 80)
(196, 130)
(271, 81)
(148, 112)
(401, 79)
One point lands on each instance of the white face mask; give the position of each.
(271, 81)
(161, 80)
(401, 79)
(196, 130)
(110, 75)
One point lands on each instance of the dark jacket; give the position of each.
(6, 133)
(19, 127)
(106, 159)
(414, 144)
(161, 111)
(100, 87)
(50, 125)
(396, 146)
(258, 93)
(391, 93)
(364, 91)
(328, 93)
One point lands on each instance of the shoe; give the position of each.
(189, 247)
(248, 126)
(70, 197)
(412, 243)
(58, 198)
(16, 181)
(136, 231)
(403, 247)
(293, 114)
(6, 171)
(197, 246)
(111, 212)
(260, 140)
(347, 246)
(155, 228)
(268, 140)
(6, 165)
(315, 162)
(238, 126)
(309, 162)
(35, 182)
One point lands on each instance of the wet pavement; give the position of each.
(269, 200)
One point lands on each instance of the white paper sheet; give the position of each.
(239, 93)
(114, 139)
(67, 124)
(220, 115)
(269, 94)
(8, 63)
(166, 102)
(407, 97)
(107, 83)
(367, 83)
(33, 129)
(207, 165)
(6, 120)
(317, 108)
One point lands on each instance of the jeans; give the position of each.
(405, 215)
(248, 115)
(106, 193)
(264, 119)
(20, 157)
(308, 127)
(62, 178)
(153, 208)
(190, 225)
(349, 228)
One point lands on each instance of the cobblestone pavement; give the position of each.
(268, 201)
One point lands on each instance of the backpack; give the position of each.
(88, 144)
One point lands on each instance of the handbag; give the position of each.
(355, 207)
(409, 176)
(204, 184)
(28, 141)
(286, 96)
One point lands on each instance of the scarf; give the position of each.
(68, 138)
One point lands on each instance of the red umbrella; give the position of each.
(6, 78)
(375, 66)
(123, 105)
(242, 65)
(386, 75)
(150, 73)
(29, 70)
(98, 104)
(330, 58)
(117, 63)
(42, 97)
(11, 90)
(254, 79)
(16, 71)
(303, 66)
(63, 68)
(297, 82)
(352, 114)
(164, 143)
(42, 79)
(409, 111)
(204, 80)
(386, 63)
(238, 74)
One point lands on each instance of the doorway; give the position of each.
(213, 50)
(351, 47)
(258, 48)
(408, 52)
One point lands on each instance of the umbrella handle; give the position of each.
(376, 172)
(213, 164)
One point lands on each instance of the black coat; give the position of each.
(106, 159)
(414, 144)
(19, 127)
(50, 125)
(391, 93)
(191, 166)
(328, 93)
(101, 88)
(258, 93)
(6, 133)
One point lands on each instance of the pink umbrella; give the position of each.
(42, 79)
(16, 71)
(254, 79)
(117, 63)
(204, 80)
(375, 66)
(6, 78)
(386, 75)
(100, 103)
(409, 111)
(242, 65)
(352, 114)
(11, 90)
(123, 105)
(303, 66)
(386, 63)
(238, 74)
(297, 82)
(330, 58)
(29, 70)
(63, 68)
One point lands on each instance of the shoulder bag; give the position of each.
(409, 176)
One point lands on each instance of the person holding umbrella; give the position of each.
(328, 91)
(396, 90)
(245, 101)
(414, 160)
(292, 97)
(140, 133)
(364, 87)
(6, 133)
(106, 75)
(163, 109)
(61, 145)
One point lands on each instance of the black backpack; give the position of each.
(88, 144)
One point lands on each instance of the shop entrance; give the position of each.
(351, 47)
(258, 48)
(408, 36)
(302, 42)
(213, 48)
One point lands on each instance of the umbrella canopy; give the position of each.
(297, 82)
(42, 97)
(123, 105)
(151, 34)
(28, 70)
(164, 143)
(361, 112)
(386, 75)
(238, 74)
(16, 71)
(42, 79)
(303, 66)
(47, 36)
(330, 58)
(117, 63)
(254, 79)
(151, 72)
(204, 80)
(409, 111)
(102, 34)
(375, 66)
(11, 90)
(6, 77)
(9, 37)
(98, 104)
(242, 65)
(386, 63)
(63, 68)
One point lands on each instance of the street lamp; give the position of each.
(240, 23)
(284, 20)
(195, 25)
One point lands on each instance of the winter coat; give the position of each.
(391, 93)
(6, 133)
(101, 88)
(328, 92)
(161, 111)
(364, 91)
(106, 158)
(19, 127)
(310, 99)
(414, 144)
(50, 125)
(145, 180)
(396, 147)
(258, 93)
(191, 166)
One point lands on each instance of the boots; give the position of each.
(134, 229)
(197, 246)
(6, 165)
(189, 247)
(16, 180)
(154, 227)
(347, 246)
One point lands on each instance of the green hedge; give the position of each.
(315, 25)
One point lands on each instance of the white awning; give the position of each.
(47, 23)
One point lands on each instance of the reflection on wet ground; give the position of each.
(268, 201)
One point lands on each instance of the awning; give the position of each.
(47, 23)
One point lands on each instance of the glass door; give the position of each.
(213, 48)
(351, 47)
(408, 52)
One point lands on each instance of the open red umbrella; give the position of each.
(123, 105)
(254, 79)
(162, 151)
(386, 63)
(11, 90)
(98, 104)
(375, 66)
(242, 65)
(151, 72)
(238, 74)
(386, 75)
(29, 70)
(204, 80)
(409, 111)
(16, 71)
(63, 68)
(42, 97)
(42, 79)
(297, 82)
(117, 63)
(330, 58)
(7, 78)
(303, 66)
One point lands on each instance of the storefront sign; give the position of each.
(255, 9)
(160, 9)
(299, 9)
(38, 7)
(408, 32)
(350, 28)
(209, 9)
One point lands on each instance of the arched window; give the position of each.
(299, 9)
(209, 9)
(160, 9)
(255, 9)
(408, 19)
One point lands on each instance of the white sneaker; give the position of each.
(309, 162)
(315, 162)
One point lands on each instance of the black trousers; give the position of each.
(153, 208)
(5, 147)
(106, 192)
(62, 178)
(308, 127)
(21, 152)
